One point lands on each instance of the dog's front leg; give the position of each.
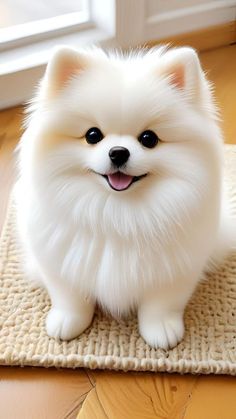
(70, 314)
(160, 313)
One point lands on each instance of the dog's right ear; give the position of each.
(64, 64)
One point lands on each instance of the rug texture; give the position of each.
(209, 344)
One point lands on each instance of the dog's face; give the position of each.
(122, 125)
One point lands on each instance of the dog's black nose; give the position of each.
(119, 155)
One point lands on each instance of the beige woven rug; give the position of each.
(209, 345)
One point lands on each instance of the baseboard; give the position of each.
(203, 39)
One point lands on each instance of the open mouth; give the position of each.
(120, 181)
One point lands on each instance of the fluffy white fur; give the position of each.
(144, 248)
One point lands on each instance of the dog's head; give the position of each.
(121, 124)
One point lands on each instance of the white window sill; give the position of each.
(22, 67)
(38, 53)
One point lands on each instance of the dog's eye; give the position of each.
(148, 139)
(94, 135)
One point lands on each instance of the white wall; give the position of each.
(159, 6)
(158, 19)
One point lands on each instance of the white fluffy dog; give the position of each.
(119, 198)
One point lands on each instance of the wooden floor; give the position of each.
(34, 393)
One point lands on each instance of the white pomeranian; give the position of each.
(120, 198)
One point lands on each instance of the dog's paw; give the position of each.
(163, 332)
(66, 325)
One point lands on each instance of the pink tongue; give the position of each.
(119, 180)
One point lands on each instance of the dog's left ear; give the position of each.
(183, 69)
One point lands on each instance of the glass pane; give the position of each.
(17, 12)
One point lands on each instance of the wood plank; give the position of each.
(203, 39)
(93, 407)
(161, 396)
(220, 65)
(32, 393)
(10, 132)
(212, 398)
(138, 395)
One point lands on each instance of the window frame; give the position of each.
(31, 32)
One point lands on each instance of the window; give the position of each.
(30, 29)
(23, 22)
